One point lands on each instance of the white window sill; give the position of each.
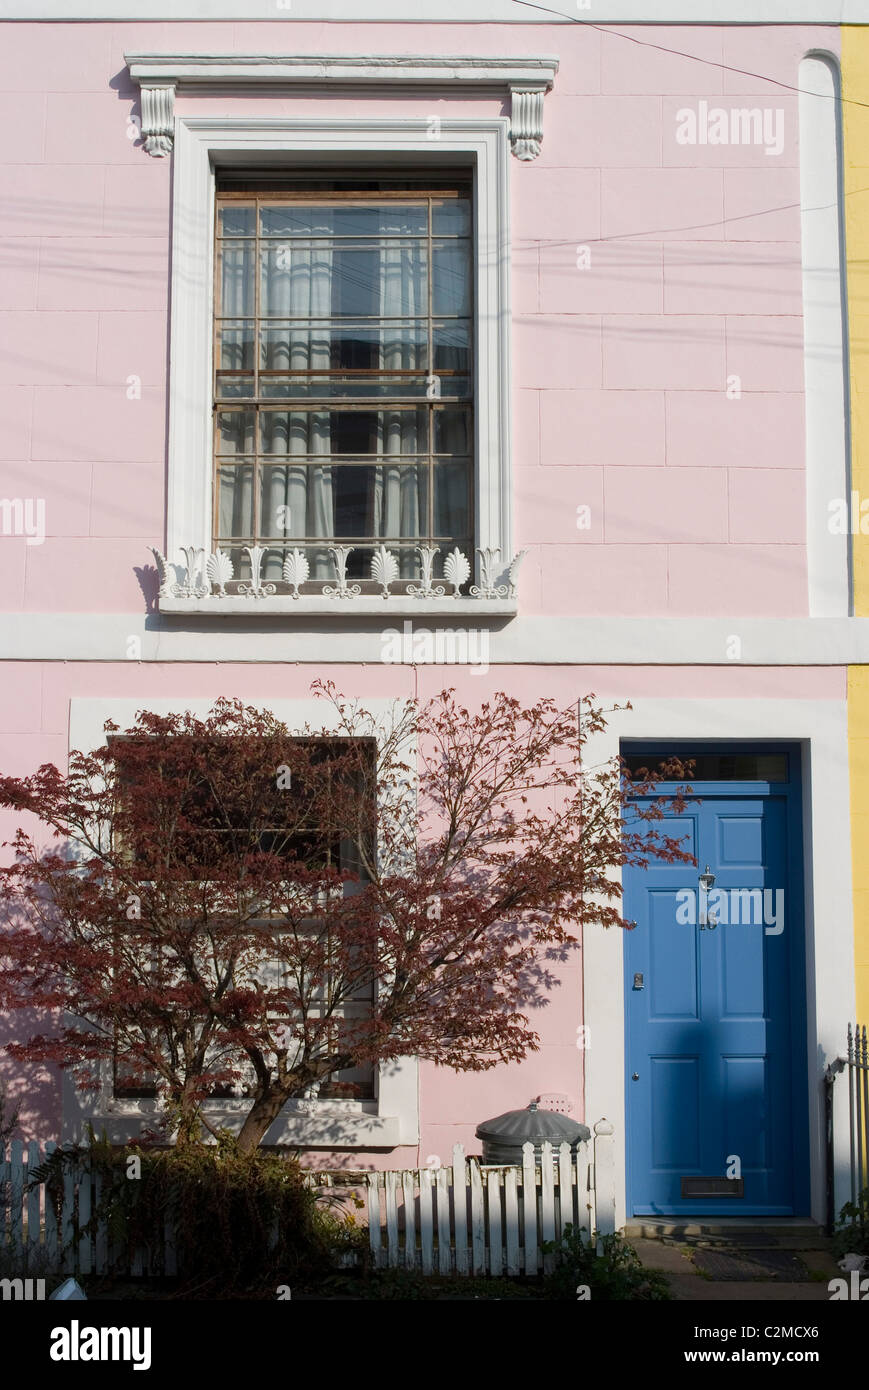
(327, 1124)
(279, 605)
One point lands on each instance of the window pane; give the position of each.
(131, 1081)
(452, 217)
(401, 501)
(451, 281)
(234, 350)
(235, 388)
(295, 432)
(237, 220)
(400, 280)
(235, 501)
(344, 220)
(236, 277)
(235, 347)
(384, 346)
(354, 496)
(717, 767)
(296, 500)
(451, 499)
(290, 219)
(320, 432)
(452, 431)
(452, 346)
(235, 432)
(320, 279)
(382, 500)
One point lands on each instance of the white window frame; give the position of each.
(202, 143)
(389, 1121)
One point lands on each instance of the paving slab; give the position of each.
(752, 1263)
(688, 1288)
(820, 1262)
(667, 1258)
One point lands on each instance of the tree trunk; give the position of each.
(261, 1115)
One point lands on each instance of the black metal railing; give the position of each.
(858, 1107)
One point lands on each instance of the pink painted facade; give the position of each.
(619, 370)
(657, 395)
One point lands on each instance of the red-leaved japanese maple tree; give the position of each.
(227, 906)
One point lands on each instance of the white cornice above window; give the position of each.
(159, 75)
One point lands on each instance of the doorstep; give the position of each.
(781, 1261)
(793, 1233)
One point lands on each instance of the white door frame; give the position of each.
(821, 729)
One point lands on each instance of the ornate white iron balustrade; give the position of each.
(205, 578)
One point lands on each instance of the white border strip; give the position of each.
(687, 12)
(530, 640)
(824, 310)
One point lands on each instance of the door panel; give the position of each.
(715, 1031)
(673, 967)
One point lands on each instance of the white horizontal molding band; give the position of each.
(286, 68)
(449, 11)
(529, 641)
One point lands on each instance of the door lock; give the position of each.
(638, 982)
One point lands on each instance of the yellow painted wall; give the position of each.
(858, 754)
(855, 131)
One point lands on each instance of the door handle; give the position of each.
(639, 983)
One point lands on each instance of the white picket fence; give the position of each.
(38, 1236)
(469, 1218)
(32, 1238)
(473, 1218)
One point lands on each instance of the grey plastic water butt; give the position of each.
(504, 1136)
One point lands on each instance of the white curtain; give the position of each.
(236, 485)
(298, 281)
(400, 491)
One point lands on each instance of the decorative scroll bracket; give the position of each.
(526, 121)
(158, 117)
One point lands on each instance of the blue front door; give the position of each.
(716, 1054)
